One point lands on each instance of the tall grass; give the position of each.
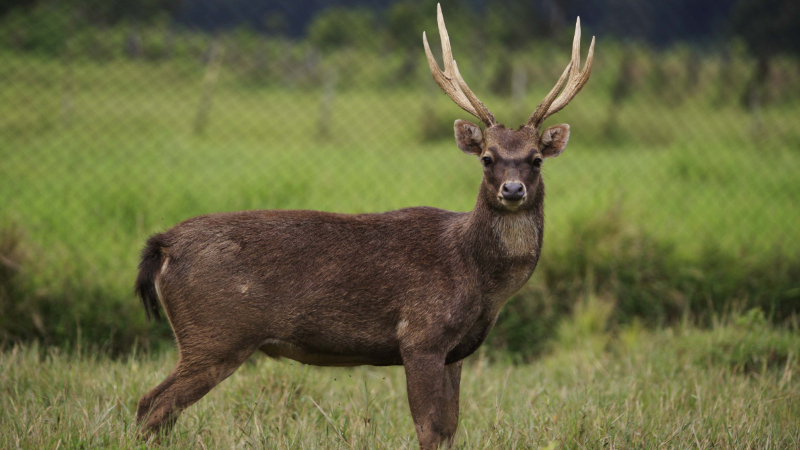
(668, 388)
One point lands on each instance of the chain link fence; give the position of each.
(679, 190)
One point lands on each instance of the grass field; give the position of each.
(679, 202)
(733, 387)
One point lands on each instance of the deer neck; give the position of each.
(495, 234)
(504, 248)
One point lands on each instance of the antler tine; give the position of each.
(483, 112)
(443, 79)
(444, 36)
(576, 50)
(574, 86)
(451, 81)
(577, 79)
(538, 115)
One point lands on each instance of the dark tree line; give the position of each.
(769, 28)
(765, 24)
(101, 12)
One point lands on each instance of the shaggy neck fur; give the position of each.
(518, 233)
(502, 234)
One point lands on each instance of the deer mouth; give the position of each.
(512, 205)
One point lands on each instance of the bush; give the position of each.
(42, 29)
(74, 311)
(748, 344)
(607, 261)
(649, 279)
(337, 28)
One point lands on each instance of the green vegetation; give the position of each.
(664, 311)
(669, 388)
(681, 209)
(672, 200)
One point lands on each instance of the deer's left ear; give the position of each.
(554, 140)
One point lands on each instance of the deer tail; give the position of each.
(149, 266)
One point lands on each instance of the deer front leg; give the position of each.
(425, 386)
(452, 382)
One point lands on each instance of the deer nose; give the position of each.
(513, 191)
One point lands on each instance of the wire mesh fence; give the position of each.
(120, 119)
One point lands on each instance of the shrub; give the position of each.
(647, 282)
(747, 344)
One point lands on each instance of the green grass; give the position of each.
(630, 389)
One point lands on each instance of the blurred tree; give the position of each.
(407, 19)
(725, 77)
(275, 23)
(8, 5)
(500, 83)
(401, 25)
(511, 25)
(339, 27)
(40, 27)
(768, 27)
(45, 26)
(620, 91)
(403, 20)
(114, 11)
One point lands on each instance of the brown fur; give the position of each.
(419, 287)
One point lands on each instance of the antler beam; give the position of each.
(451, 81)
(577, 79)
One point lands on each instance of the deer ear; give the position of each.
(469, 137)
(554, 140)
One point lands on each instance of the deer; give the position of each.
(418, 287)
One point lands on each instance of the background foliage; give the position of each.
(677, 197)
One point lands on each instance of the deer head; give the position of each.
(512, 159)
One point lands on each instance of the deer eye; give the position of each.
(486, 161)
(537, 162)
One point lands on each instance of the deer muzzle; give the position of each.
(512, 191)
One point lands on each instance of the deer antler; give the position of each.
(451, 81)
(577, 79)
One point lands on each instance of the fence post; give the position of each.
(329, 83)
(67, 86)
(725, 76)
(519, 87)
(209, 84)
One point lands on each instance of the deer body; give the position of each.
(340, 290)
(419, 287)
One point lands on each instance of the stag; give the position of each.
(418, 287)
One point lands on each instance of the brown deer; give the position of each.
(418, 287)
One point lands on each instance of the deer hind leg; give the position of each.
(192, 378)
(146, 402)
